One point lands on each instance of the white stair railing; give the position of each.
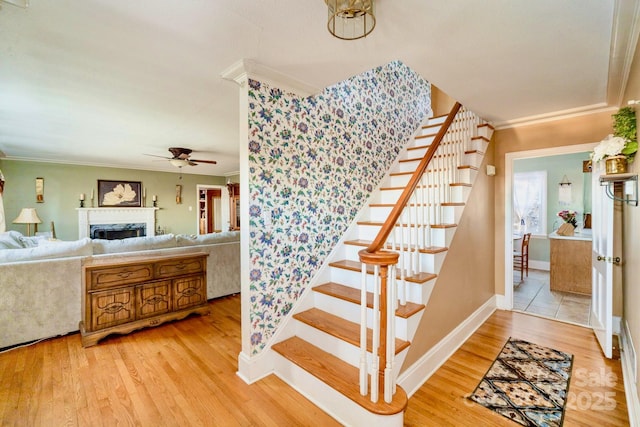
(417, 210)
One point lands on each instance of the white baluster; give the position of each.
(363, 331)
(375, 358)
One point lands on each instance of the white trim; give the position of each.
(244, 68)
(252, 369)
(417, 374)
(629, 374)
(624, 38)
(508, 208)
(224, 205)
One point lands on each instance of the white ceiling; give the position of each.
(102, 82)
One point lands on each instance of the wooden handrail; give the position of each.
(387, 227)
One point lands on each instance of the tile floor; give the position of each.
(533, 295)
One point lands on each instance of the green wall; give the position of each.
(556, 167)
(64, 183)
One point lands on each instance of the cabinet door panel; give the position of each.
(188, 291)
(153, 298)
(110, 308)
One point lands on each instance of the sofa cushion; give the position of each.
(208, 239)
(133, 244)
(59, 249)
(15, 240)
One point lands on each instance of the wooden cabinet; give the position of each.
(122, 296)
(234, 206)
(570, 265)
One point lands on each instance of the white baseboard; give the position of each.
(502, 303)
(418, 373)
(252, 369)
(629, 373)
(539, 265)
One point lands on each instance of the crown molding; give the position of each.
(624, 39)
(245, 69)
(554, 116)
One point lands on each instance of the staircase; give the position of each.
(346, 348)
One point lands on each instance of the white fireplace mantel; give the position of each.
(93, 216)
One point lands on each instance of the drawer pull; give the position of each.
(124, 274)
(180, 267)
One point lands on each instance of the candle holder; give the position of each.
(81, 203)
(155, 203)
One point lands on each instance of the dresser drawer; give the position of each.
(101, 278)
(179, 267)
(153, 299)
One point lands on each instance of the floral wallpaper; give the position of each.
(313, 163)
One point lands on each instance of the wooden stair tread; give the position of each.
(460, 184)
(338, 374)
(468, 167)
(390, 205)
(480, 137)
(444, 225)
(417, 159)
(486, 125)
(474, 152)
(347, 264)
(427, 250)
(340, 328)
(352, 295)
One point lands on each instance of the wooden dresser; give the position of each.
(133, 293)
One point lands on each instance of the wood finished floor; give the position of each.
(184, 374)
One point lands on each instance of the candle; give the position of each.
(81, 196)
(155, 198)
(92, 194)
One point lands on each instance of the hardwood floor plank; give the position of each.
(184, 373)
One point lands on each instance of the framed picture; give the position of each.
(39, 190)
(119, 193)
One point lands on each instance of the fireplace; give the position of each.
(117, 231)
(116, 223)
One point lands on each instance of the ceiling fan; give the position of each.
(182, 157)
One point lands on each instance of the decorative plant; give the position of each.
(568, 217)
(623, 141)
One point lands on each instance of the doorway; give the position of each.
(533, 293)
(213, 209)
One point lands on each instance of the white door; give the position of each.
(601, 262)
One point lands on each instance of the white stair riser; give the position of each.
(351, 312)
(418, 152)
(484, 131)
(438, 236)
(330, 400)
(417, 214)
(350, 278)
(391, 195)
(460, 194)
(467, 175)
(473, 159)
(429, 263)
(478, 144)
(437, 120)
(339, 348)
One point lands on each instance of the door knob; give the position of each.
(616, 260)
(600, 258)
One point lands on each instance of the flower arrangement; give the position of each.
(569, 217)
(623, 141)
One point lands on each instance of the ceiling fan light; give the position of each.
(351, 19)
(179, 162)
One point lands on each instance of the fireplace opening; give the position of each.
(117, 231)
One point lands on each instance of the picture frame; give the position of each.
(39, 190)
(119, 193)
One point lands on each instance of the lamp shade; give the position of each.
(27, 216)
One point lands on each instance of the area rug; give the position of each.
(527, 383)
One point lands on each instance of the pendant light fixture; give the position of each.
(351, 19)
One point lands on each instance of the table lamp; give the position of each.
(28, 216)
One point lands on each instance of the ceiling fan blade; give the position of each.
(162, 157)
(212, 162)
(191, 163)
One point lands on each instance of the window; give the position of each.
(530, 202)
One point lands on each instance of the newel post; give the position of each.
(383, 333)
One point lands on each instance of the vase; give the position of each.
(616, 164)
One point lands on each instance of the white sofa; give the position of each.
(40, 280)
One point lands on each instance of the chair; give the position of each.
(521, 257)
